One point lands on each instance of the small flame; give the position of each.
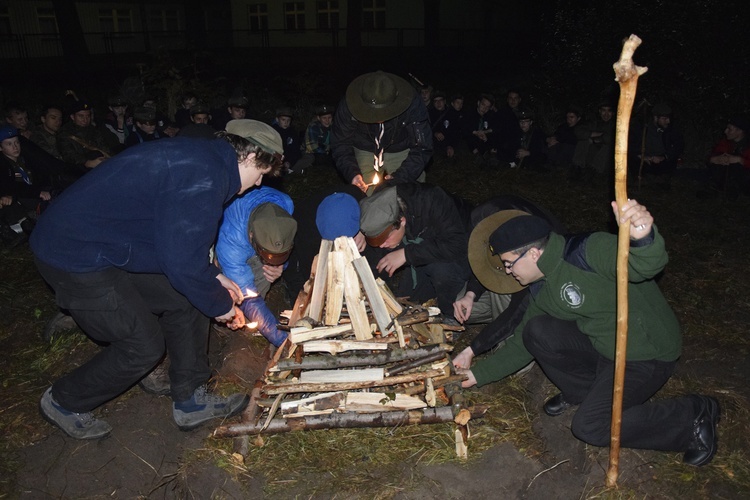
(252, 325)
(249, 294)
(375, 179)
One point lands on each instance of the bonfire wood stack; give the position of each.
(357, 357)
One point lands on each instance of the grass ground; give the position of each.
(704, 283)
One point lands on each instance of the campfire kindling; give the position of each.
(356, 356)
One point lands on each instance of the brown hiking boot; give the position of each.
(157, 381)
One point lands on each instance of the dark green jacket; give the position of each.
(587, 294)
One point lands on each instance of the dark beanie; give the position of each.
(518, 232)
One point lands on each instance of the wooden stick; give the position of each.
(325, 362)
(626, 73)
(350, 420)
(293, 387)
(377, 304)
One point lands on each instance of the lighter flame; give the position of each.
(375, 179)
(252, 325)
(249, 294)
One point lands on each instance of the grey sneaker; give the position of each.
(204, 406)
(157, 382)
(75, 425)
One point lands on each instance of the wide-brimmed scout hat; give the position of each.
(379, 215)
(379, 96)
(261, 134)
(485, 261)
(273, 230)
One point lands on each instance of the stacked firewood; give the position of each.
(356, 357)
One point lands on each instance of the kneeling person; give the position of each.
(254, 242)
(418, 226)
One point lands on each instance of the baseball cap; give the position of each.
(7, 132)
(338, 215)
(273, 230)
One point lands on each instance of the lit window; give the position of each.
(164, 20)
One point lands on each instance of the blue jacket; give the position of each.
(234, 251)
(151, 209)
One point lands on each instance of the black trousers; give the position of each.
(585, 377)
(137, 316)
(443, 280)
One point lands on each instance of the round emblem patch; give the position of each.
(572, 295)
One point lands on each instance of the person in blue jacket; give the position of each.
(255, 240)
(126, 250)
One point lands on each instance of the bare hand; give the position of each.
(522, 153)
(449, 151)
(360, 183)
(45, 195)
(463, 306)
(360, 241)
(93, 163)
(5, 200)
(439, 136)
(463, 360)
(640, 218)
(392, 261)
(232, 287)
(272, 273)
(470, 381)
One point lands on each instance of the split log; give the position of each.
(437, 332)
(328, 401)
(355, 303)
(366, 402)
(295, 387)
(338, 346)
(334, 287)
(342, 376)
(354, 360)
(301, 304)
(304, 334)
(399, 333)
(349, 420)
(319, 281)
(393, 305)
(377, 304)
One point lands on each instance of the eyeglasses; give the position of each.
(509, 265)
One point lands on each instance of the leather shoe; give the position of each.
(705, 438)
(556, 405)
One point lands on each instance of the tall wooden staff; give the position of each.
(626, 73)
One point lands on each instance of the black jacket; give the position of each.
(433, 225)
(409, 130)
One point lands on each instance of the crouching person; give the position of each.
(570, 329)
(254, 244)
(420, 227)
(126, 251)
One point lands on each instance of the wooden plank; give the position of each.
(377, 304)
(393, 305)
(335, 376)
(337, 346)
(301, 304)
(363, 402)
(298, 335)
(315, 309)
(355, 301)
(334, 287)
